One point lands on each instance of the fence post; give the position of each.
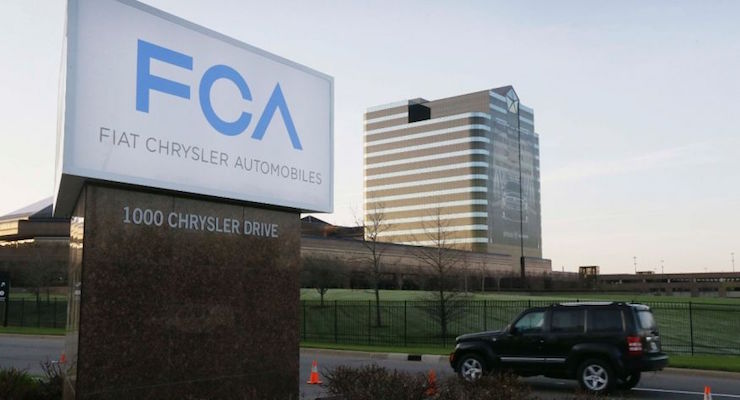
(691, 327)
(54, 314)
(369, 320)
(23, 310)
(485, 315)
(405, 326)
(529, 303)
(444, 328)
(336, 324)
(38, 313)
(304, 319)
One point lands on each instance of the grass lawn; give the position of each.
(400, 295)
(716, 363)
(31, 331)
(30, 296)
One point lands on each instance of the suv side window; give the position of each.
(531, 323)
(646, 320)
(605, 320)
(567, 321)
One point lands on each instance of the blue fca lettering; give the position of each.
(145, 82)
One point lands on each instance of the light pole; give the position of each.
(732, 256)
(634, 261)
(522, 264)
(662, 269)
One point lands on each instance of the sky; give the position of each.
(636, 103)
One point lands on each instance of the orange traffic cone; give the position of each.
(314, 378)
(432, 383)
(63, 359)
(707, 393)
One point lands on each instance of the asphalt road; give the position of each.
(671, 384)
(28, 351)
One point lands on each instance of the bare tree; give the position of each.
(321, 273)
(483, 273)
(374, 225)
(442, 261)
(42, 273)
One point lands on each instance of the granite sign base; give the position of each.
(180, 298)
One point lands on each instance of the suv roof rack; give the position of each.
(638, 306)
(592, 303)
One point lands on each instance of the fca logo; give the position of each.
(145, 82)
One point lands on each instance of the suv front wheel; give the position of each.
(471, 367)
(596, 376)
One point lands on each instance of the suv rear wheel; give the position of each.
(471, 367)
(596, 376)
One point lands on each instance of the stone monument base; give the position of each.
(181, 298)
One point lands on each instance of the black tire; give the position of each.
(596, 376)
(629, 381)
(471, 367)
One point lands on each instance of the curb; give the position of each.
(425, 358)
(703, 372)
(29, 336)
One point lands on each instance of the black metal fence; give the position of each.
(688, 328)
(685, 327)
(44, 313)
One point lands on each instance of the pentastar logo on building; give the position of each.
(152, 100)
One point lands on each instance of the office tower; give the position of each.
(467, 164)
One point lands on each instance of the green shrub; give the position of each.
(497, 386)
(372, 382)
(16, 384)
(52, 386)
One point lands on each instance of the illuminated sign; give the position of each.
(152, 100)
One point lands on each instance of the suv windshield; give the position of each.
(646, 320)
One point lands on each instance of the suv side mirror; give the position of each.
(513, 330)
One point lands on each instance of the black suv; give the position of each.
(602, 345)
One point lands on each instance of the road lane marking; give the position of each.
(734, 396)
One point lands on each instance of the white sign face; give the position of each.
(156, 101)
